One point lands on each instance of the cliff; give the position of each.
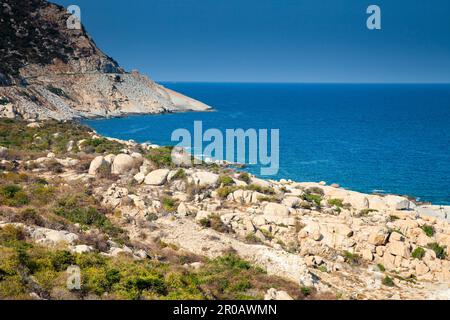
(50, 71)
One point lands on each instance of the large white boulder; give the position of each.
(181, 157)
(122, 164)
(157, 177)
(276, 209)
(205, 178)
(3, 152)
(398, 203)
(96, 164)
(273, 294)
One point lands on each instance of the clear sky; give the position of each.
(273, 40)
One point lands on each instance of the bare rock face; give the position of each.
(50, 71)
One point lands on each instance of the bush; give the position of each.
(352, 258)
(179, 175)
(244, 176)
(429, 230)
(336, 202)
(387, 281)
(440, 251)
(4, 101)
(161, 157)
(314, 198)
(168, 204)
(226, 181)
(13, 196)
(214, 222)
(418, 253)
(102, 145)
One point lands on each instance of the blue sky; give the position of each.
(273, 40)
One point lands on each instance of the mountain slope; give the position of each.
(50, 71)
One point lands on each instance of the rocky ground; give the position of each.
(48, 71)
(72, 193)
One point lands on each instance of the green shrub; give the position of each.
(393, 218)
(418, 253)
(306, 291)
(439, 250)
(13, 196)
(58, 91)
(179, 175)
(102, 145)
(314, 198)
(223, 192)
(336, 202)
(233, 261)
(161, 157)
(387, 281)
(168, 204)
(226, 181)
(244, 176)
(381, 267)
(4, 101)
(352, 258)
(429, 230)
(214, 222)
(252, 238)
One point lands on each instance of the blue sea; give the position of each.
(388, 138)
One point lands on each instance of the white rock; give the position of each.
(205, 178)
(139, 177)
(96, 165)
(3, 152)
(122, 164)
(183, 209)
(82, 248)
(273, 294)
(276, 209)
(157, 177)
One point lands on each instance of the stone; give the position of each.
(357, 200)
(122, 164)
(181, 157)
(273, 294)
(3, 152)
(395, 236)
(96, 164)
(291, 202)
(316, 235)
(139, 177)
(82, 248)
(205, 178)
(367, 255)
(399, 248)
(398, 203)
(110, 158)
(202, 215)
(421, 269)
(183, 209)
(276, 209)
(51, 155)
(379, 238)
(157, 177)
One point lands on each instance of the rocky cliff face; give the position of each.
(50, 71)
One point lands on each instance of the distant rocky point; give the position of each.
(48, 71)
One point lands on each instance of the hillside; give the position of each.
(50, 71)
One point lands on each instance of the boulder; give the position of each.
(398, 203)
(399, 248)
(157, 177)
(291, 202)
(3, 152)
(357, 200)
(139, 177)
(379, 237)
(273, 294)
(276, 209)
(181, 157)
(205, 178)
(96, 164)
(183, 209)
(122, 164)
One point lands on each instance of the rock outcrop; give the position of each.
(50, 71)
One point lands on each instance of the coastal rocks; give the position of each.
(398, 203)
(245, 196)
(122, 164)
(181, 158)
(276, 209)
(379, 237)
(96, 164)
(273, 294)
(205, 178)
(157, 177)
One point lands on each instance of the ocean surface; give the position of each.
(369, 138)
